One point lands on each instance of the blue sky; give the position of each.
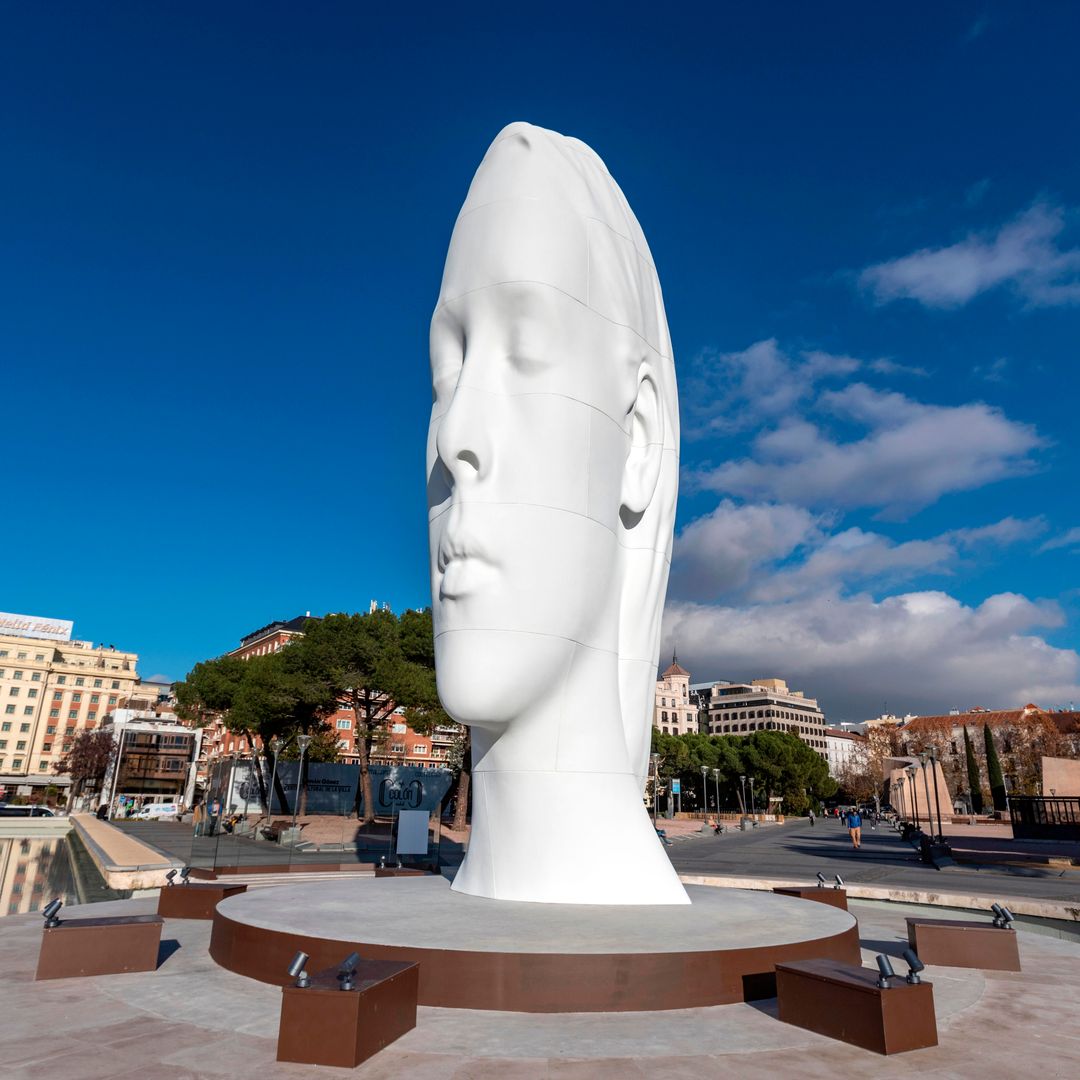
(223, 229)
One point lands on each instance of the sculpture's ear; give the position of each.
(646, 449)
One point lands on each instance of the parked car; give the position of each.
(8, 810)
(155, 811)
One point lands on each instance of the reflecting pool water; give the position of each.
(34, 870)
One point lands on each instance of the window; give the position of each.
(116, 684)
(28, 710)
(91, 716)
(60, 680)
(24, 728)
(54, 713)
(58, 695)
(21, 744)
(112, 699)
(398, 729)
(42, 766)
(39, 656)
(3, 744)
(397, 748)
(35, 676)
(3, 652)
(20, 656)
(79, 680)
(73, 715)
(97, 682)
(9, 709)
(16, 763)
(94, 698)
(76, 697)
(344, 725)
(5, 726)
(16, 674)
(419, 749)
(51, 729)
(32, 692)
(13, 691)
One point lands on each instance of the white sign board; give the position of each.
(412, 832)
(35, 627)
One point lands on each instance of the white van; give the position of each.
(155, 811)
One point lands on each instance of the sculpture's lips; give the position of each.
(463, 566)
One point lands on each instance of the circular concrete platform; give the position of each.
(491, 954)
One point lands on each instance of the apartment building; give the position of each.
(52, 687)
(675, 713)
(762, 705)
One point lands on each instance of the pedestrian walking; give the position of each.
(854, 824)
(811, 817)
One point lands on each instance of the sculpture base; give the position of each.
(492, 954)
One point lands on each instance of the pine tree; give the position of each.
(993, 770)
(974, 779)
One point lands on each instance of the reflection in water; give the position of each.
(34, 870)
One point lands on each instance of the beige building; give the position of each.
(764, 705)
(50, 688)
(675, 713)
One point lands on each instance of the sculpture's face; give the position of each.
(526, 450)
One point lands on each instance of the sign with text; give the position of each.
(33, 626)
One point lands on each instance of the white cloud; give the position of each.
(725, 393)
(912, 455)
(919, 651)
(890, 367)
(1022, 254)
(1069, 538)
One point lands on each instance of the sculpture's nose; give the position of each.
(463, 441)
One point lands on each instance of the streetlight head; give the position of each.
(886, 971)
(303, 741)
(276, 744)
(50, 911)
(915, 965)
(297, 972)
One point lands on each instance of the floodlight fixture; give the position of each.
(821, 880)
(915, 965)
(170, 875)
(347, 971)
(1002, 916)
(50, 910)
(1009, 917)
(185, 874)
(886, 971)
(297, 970)
(839, 882)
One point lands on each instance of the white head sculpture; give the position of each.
(552, 480)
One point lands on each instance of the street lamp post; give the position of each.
(937, 797)
(705, 790)
(303, 741)
(716, 781)
(742, 781)
(753, 806)
(911, 770)
(654, 759)
(926, 788)
(275, 748)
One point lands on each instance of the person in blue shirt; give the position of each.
(854, 828)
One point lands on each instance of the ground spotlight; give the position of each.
(884, 965)
(297, 972)
(347, 969)
(915, 965)
(821, 880)
(185, 874)
(169, 877)
(1002, 916)
(839, 882)
(50, 911)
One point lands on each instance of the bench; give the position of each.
(845, 1002)
(274, 829)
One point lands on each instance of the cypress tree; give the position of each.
(993, 770)
(974, 780)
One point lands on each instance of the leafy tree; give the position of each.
(993, 771)
(359, 659)
(88, 759)
(973, 778)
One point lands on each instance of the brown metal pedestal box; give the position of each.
(325, 1025)
(952, 943)
(845, 1003)
(195, 900)
(100, 946)
(834, 897)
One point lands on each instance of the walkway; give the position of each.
(191, 1020)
